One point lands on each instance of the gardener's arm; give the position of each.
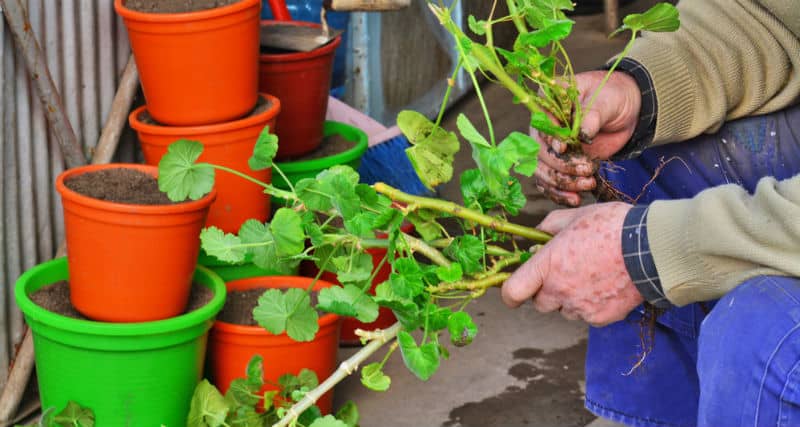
(606, 258)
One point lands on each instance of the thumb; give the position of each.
(527, 280)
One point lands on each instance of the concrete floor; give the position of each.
(524, 368)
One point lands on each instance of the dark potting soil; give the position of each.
(263, 104)
(175, 6)
(239, 305)
(55, 298)
(330, 146)
(119, 185)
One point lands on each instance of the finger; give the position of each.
(546, 303)
(526, 281)
(574, 164)
(569, 314)
(563, 198)
(564, 182)
(557, 220)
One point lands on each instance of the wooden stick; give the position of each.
(345, 369)
(36, 63)
(611, 14)
(366, 5)
(107, 144)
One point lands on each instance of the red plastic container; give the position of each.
(199, 67)
(227, 144)
(130, 263)
(302, 81)
(232, 346)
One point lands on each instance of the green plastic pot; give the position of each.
(230, 272)
(299, 169)
(128, 374)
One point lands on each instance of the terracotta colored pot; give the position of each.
(130, 263)
(302, 81)
(227, 144)
(198, 67)
(232, 346)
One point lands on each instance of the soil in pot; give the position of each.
(239, 305)
(121, 185)
(175, 6)
(331, 146)
(55, 298)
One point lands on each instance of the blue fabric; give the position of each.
(665, 390)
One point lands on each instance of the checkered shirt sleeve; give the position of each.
(638, 258)
(645, 129)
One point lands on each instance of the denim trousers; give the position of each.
(731, 362)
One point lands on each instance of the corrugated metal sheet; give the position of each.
(87, 48)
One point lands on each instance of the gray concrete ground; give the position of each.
(524, 368)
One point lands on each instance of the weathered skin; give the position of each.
(580, 272)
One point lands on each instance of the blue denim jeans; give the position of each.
(730, 362)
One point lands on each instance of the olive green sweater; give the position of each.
(730, 59)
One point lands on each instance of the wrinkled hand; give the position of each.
(609, 125)
(580, 272)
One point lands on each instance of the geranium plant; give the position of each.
(332, 219)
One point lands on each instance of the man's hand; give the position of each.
(580, 272)
(609, 124)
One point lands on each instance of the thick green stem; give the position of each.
(451, 208)
(519, 22)
(429, 251)
(491, 250)
(470, 285)
(502, 264)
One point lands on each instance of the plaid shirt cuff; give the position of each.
(644, 132)
(638, 258)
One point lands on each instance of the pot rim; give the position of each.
(360, 146)
(90, 327)
(178, 208)
(169, 18)
(326, 320)
(185, 132)
(299, 56)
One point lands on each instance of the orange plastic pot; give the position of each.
(130, 263)
(232, 346)
(198, 67)
(227, 144)
(302, 81)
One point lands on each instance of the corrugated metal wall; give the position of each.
(86, 48)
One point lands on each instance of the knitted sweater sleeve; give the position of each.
(729, 59)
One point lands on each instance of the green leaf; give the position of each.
(421, 361)
(328, 421)
(75, 415)
(451, 273)
(404, 309)
(308, 378)
(542, 123)
(264, 151)
(180, 177)
(208, 408)
(373, 378)
(309, 415)
(348, 414)
(433, 148)
(245, 416)
(462, 329)
(477, 27)
(468, 250)
(555, 30)
(437, 317)
(224, 246)
(469, 132)
(269, 399)
(406, 280)
(287, 230)
(522, 150)
(348, 301)
(425, 224)
(361, 224)
(663, 17)
(265, 254)
(290, 311)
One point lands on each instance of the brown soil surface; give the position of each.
(263, 104)
(239, 306)
(120, 185)
(330, 146)
(175, 6)
(55, 298)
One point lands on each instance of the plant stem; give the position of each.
(447, 92)
(424, 248)
(444, 206)
(345, 369)
(518, 21)
(470, 285)
(270, 189)
(491, 250)
(502, 265)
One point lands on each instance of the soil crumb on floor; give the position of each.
(55, 298)
(120, 185)
(175, 6)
